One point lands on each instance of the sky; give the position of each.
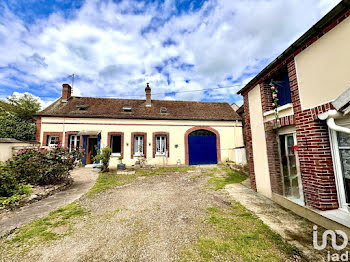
(115, 47)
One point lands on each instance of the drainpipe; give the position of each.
(330, 116)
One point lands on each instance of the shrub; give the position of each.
(8, 182)
(104, 156)
(36, 167)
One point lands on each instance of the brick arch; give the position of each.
(218, 151)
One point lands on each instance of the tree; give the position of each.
(24, 107)
(17, 117)
(14, 127)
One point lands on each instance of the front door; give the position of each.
(292, 187)
(91, 149)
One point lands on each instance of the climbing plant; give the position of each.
(275, 104)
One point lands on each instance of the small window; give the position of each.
(127, 109)
(116, 144)
(82, 107)
(161, 148)
(138, 145)
(53, 140)
(73, 142)
(163, 110)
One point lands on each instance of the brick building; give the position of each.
(298, 145)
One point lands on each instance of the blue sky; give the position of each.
(115, 47)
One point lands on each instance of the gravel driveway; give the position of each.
(151, 219)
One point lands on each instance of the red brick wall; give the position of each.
(314, 151)
(248, 141)
(38, 128)
(312, 137)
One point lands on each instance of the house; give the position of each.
(299, 145)
(159, 131)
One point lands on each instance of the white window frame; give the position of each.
(73, 139)
(162, 141)
(338, 173)
(139, 140)
(49, 141)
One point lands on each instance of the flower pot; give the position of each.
(121, 167)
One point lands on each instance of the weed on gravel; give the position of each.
(235, 234)
(229, 177)
(112, 179)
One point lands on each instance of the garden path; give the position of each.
(84, 179)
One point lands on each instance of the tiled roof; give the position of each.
(112, 108)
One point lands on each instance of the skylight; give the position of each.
(127, 109)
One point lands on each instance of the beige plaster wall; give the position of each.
(7, 149)
(261, 169)
(323, 69)
(230, 135)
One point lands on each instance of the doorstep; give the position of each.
(330, 220)
(338, 215)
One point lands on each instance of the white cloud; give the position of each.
(111, 52)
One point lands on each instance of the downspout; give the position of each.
(330, 116)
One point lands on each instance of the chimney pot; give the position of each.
(148, 96)
(66, 92)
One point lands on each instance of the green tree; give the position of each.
(17, 117)
(24, 107)
(14, 127)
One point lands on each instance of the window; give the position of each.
(138, 145)
(344, 152)
(116, 144)
(163, 110)
(161, 147)
(281, 83)
(127, 109)
(53, 140)
(73, 142)
(82, 107)
(290, 173)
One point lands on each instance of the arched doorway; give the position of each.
(202, 147)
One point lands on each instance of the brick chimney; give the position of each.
(66, 92)
(148, 96)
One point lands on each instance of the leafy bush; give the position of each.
(36, 167)
(104, 156)
(8, 182)
(14, 127)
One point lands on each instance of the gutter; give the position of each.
(329, 116)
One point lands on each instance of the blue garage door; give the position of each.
(202, 147)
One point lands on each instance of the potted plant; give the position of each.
(121, 166)
(104, 157)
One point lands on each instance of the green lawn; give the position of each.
(235, 234)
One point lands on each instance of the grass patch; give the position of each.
(230, 177)
(41, 229)
(235, 234)
(110, 180)
(210, 174)
(162, 170)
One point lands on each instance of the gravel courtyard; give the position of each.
(172, 216)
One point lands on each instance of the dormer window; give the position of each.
(127, 109)
(163, 110)
(82, 107)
